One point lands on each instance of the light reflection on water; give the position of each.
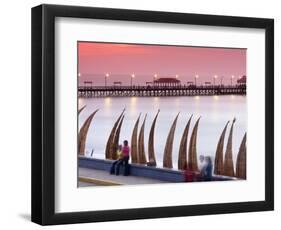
(215, 111)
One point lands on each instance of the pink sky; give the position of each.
(122, 60)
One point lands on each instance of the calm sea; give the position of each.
(215, 111)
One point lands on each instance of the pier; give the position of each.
(159, 91)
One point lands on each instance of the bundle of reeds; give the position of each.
(167, 160)
(241, 160)
(192, 152)
(228, 168)
(182, 160)
(83, 133)
(109, 145)
(134, 142)
(151, 152)
(142, 157)
(218, 167)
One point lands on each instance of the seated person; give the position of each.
(119, 157)
(124, 160)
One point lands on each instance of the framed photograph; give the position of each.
(144, 114)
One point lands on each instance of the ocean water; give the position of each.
(215, 111)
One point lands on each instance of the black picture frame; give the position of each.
(43, 113)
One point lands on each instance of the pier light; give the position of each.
(195, 79)
(105, 79)
(215, 77)
(79, 74)
(155, 78)
(132, 76)
(177, 76)
(231, 79)
(222, 80)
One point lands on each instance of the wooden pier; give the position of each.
(159, 91)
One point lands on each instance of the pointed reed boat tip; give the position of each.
(241, 167)
(228, 156)
(167, 158)
(109, 151)
(218, 168)
(151, 152)
(81, 109)
(182, 157)
(134, 141)
(192, 151)
(83, 133)
(141, 148)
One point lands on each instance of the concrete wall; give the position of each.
(135, 169)
(163, 174)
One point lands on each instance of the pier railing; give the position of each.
(158, 91)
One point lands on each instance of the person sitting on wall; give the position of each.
(208, 169)
(119, 157)
(202, 168)
(124, 160)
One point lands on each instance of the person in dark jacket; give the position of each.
(208, 172)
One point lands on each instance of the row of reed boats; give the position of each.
(187, 156)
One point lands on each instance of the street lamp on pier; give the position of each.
(132, 76)
(221, 80)
(215, 77)
(177, 76)
(232, 77)
(105, 79)
(154, 78)
(195, 79)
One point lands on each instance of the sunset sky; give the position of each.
(122, 60)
